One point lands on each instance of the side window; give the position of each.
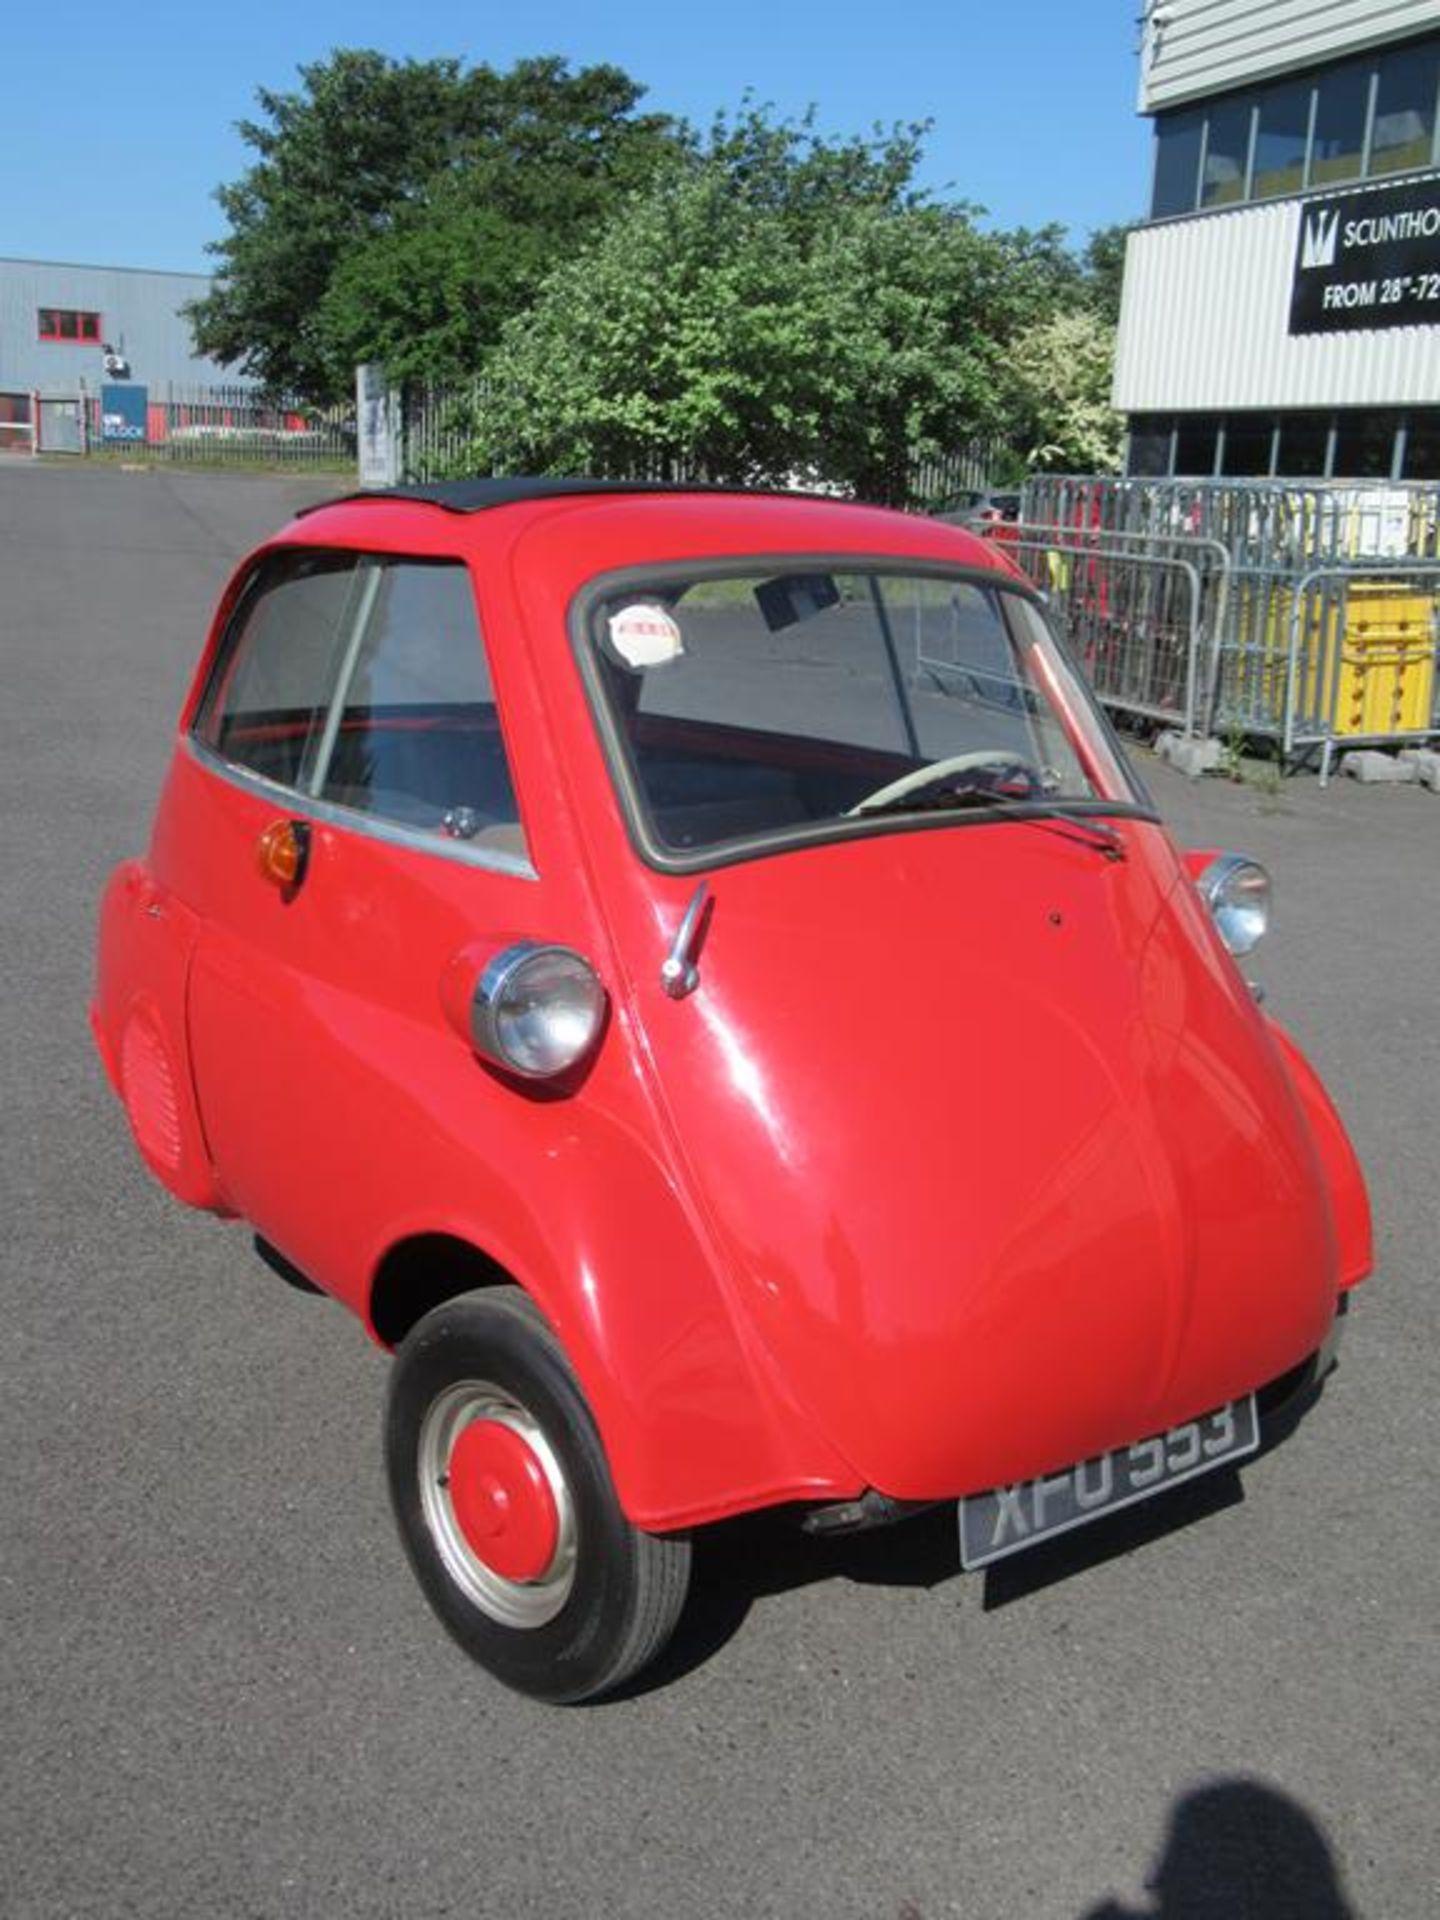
(264, 707)
(415, 737)
(362, 681)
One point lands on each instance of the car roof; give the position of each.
(477, 496)
(612, 524)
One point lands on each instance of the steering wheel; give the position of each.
(939, 771)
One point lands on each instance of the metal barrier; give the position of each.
(1320, 627)
(1140, 612)
(1339, 656)
(1271, 527)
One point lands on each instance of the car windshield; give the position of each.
(755, 706)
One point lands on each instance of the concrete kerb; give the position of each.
(1412, 766)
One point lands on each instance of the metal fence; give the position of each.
(437, 428)
(1139, 610)
(1304, 616)
(1337, 656)
(200, 426)
(239, 426)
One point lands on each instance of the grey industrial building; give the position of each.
(1281, 308)
(69, 333)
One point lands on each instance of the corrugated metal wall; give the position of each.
(139, 312)
(1195, 47)
(1203, 325)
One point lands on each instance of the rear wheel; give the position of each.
(506, 1507)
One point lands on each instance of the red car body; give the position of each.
(971, 1154)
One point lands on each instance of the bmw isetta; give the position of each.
(694, 972)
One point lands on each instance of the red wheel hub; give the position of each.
(502, 1500)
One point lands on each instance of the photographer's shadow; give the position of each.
(1240, 1850)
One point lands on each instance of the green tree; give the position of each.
(1061, 371)
(1102, 267)
(778, 305)
(403, 210)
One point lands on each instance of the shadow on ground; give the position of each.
(1239, 1850)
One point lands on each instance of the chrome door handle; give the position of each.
(680, 971)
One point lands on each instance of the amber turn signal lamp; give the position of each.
(281, 854)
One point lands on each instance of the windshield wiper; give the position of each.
(964, 795)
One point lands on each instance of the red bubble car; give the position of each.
(694, 972)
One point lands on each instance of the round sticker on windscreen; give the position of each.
(645, 635)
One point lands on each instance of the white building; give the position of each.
(1281, 310)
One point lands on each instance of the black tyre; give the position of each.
(506, 1507)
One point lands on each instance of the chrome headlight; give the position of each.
(1237, 892)
(537, 1010)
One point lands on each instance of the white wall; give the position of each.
(1204, 317)
(1195, 47)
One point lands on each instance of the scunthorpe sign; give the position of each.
(1369, 259)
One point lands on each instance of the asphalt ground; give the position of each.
(222, 1694)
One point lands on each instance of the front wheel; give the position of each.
(505, 1504)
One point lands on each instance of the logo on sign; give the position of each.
(1317, 248)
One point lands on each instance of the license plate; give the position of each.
(1009, 1519)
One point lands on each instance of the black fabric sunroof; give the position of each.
(475, 496)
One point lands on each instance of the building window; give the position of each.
(1422, 447)
(1150, 446)
(1349, 444)
(69, 325)
(1248, 439)
(1403, 136)
(1361, 119)
(1227, 154)
(1197, 441)
(1364, 445)
(1281, 139)
(1341, 103)
(1304, 450)
(1177, 162)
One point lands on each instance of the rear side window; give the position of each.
(361, 680)
(265, 704)
(415, 736)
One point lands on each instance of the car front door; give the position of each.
(351, 825)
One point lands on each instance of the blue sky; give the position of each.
(119, 119)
